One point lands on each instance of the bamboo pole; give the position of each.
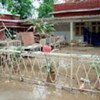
(6, 30)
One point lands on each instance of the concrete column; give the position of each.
(71, 31)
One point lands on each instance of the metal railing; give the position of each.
(73, 71)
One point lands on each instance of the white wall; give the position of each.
(65, 34)
(63, 29)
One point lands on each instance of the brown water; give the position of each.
(13, 90)
(81, 50)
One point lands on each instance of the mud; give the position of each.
(14, 90)
(80, 50)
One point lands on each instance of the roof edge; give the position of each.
(76, 10)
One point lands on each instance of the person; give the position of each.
(47, 48)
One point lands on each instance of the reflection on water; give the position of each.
(13, 90)
(39, 92)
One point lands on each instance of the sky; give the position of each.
(36, 4)
(3, 11)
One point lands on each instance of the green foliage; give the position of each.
(45, 8)
(48, 64)
(42, 27)
(21, 7)
(3, 2)
(96, 66)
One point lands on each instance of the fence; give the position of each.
(66, 71)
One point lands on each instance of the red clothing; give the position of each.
(47, 48)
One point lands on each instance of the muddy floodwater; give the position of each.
(14, 90)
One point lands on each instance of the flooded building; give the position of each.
(78, 20)
(10, 24)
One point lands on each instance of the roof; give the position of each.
(83, 5)
(87, 18)
(76, 10)
(14, 23)
(7, 20)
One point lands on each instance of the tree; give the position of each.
(3, 2)
(41, 26)
(21, 7)
(45, 8)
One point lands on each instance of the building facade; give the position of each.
(10, 24)
(77, 17)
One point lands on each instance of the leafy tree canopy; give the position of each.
(45, 8)
(21, 7)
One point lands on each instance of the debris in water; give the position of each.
(7, 81)
(98, 85)
(81, 88)
(21, 79)
(48, 93)
(58, 86)
(84, 80)
(39, 82)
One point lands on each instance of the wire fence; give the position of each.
(66, 71)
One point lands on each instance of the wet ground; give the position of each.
(14, 90)
(83, 50)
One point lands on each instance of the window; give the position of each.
(79, 28)
(96, 27)
(93, 29)
(99, 29)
